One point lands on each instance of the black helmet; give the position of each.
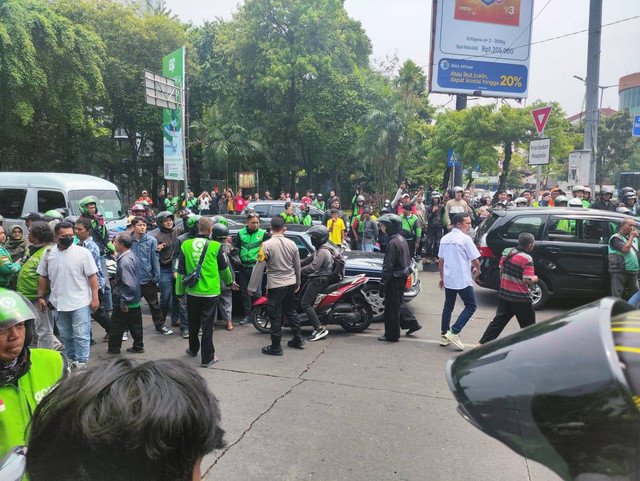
(219, 232)
(624, 190)
(606, 190)
(71, 218)
(319, 235)
(392, 223)
(164, 215)
(629, 196)
(623, 210)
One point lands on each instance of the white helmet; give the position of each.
(577, 188)
(520, 200)
(575, 202)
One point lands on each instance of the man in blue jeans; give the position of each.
(458, 259)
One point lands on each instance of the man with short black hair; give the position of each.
(281, 258)
(71, 273)
(127, 314)
(104, 424)
(459, 257)
(514, 298)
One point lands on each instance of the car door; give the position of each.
(574, 254)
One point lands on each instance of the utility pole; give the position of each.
(461, 104)
(593, 82)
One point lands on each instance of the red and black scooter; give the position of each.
(341, 303)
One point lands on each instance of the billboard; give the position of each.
(481, 47)
(172, 120)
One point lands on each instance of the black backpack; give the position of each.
(338, 267)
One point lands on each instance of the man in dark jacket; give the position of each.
(166, 237)
(335, 204)
(605, 202)
(435, 213)
(126, 299)
(395, 270)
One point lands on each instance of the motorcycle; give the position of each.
(565, 392)
(341, 303)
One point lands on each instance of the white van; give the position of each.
(24, 192)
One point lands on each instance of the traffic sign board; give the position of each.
(539, 151)
(636, 125)
(540, 117)
(452, 160)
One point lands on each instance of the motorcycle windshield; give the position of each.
(556, 393)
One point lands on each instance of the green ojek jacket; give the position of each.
(215, 267)
(20, 400)
(248, 243)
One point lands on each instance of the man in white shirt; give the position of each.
(459, 257)
(72, 274)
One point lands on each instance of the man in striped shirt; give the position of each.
(516, 274)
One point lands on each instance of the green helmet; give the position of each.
(14, 309)
(220, 220)
(192, 224)
(53, 214)
(90, 199)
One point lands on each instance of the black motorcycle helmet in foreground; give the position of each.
(565, 392)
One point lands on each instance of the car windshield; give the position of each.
(109, 202)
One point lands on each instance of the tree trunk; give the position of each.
(445, 178)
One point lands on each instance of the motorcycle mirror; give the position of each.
(562, 392)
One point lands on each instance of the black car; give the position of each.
(570, 255)
(357, 262)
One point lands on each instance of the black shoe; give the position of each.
(384, 339)
(297, 343)
(414, 328)
(188, 351)
(272, 351)
(113, 352)
(135, 350)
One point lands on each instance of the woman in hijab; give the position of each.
(16, 243)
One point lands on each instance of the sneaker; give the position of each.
(455, 339)
(189, 353)
(245, 320)
(414, 328)
(125, 336)
(272, 351)
(318, 334)
(210, 363)
(297, 343)
(185, 334)
(135, 350)
(164, 331)
(73, 365)
(444, 341)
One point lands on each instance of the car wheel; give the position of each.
(371, 293)
(540, 294)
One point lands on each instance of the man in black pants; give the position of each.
(280, 256)
(126, 299)
(516, 274)
(318, 269)
(395, 270)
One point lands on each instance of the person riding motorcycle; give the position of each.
(316, 269)
(26, 374)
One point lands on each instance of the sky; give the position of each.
(402, 27)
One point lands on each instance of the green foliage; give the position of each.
(618, 150)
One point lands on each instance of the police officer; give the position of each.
(395, 270)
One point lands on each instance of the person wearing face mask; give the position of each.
(166, 237)
(71, 273)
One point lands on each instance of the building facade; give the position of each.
(629, 91)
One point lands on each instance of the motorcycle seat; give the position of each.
(343, 282)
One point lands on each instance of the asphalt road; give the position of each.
(348, 407)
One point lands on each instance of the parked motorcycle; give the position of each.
(341, 303)
(565, 392)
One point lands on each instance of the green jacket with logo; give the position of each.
(20, 399)
(7, 268)
(28, 276)
(623, 261)
(215, 268)
(290, 219)
(411, 226)
(248, 245)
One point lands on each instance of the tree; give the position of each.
(51, 80)
(617, 148)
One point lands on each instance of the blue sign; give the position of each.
(452, 160)
(636, 125)
(476, 75)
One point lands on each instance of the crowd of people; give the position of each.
(54, 278)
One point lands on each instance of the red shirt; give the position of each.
(240, 204)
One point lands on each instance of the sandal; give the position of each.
(229, 326)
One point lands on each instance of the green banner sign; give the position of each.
(173, 66)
